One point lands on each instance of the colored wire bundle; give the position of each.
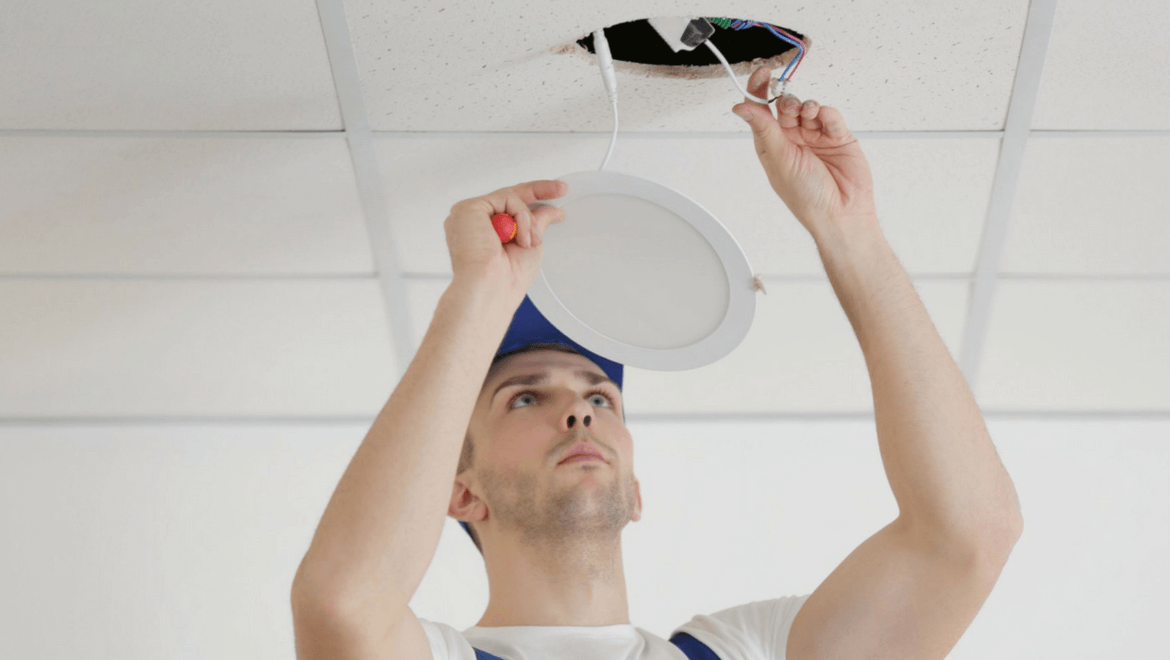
(737, 24)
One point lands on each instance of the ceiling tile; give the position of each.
(1077, 345)
(801, 354)
(105, 510)
(1095, 498)
(1105, 67)
(423, 297)
(180, 205)
(480, 67)
(1091, 205)
(120, 518)
(141, 65)
(245, 348)
(931, 194)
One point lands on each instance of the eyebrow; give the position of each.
(542, 377)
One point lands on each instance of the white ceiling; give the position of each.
(221, 240)
(226, 209)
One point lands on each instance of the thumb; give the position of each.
(765, 129)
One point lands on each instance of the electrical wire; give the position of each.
(605, 61)
(737, 24)
(780, 33)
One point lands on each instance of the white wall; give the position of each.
(180, 541)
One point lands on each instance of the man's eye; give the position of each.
(521, 394)
(535, 395)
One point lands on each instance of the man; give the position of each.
(550, 529)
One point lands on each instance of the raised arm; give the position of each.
(382, 526)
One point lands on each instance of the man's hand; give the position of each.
(476, 251)
(812, 160)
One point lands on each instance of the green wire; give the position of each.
(724, 23)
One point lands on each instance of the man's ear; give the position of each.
(465, 505)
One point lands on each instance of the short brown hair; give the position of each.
(467, 455)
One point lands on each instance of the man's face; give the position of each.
(522, 431)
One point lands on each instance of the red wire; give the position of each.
(803, 49)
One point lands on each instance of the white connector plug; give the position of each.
(681, 32)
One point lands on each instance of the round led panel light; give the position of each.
(643, 275)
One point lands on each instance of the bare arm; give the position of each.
(381, 528)
(950, 485)
(912, 589)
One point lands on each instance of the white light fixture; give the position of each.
(640, 273)
(643, 275)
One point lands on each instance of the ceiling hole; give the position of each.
(637, 47)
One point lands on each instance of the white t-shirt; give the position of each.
(755, 631)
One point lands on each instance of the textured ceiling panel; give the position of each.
(109, 349)
(801, 355)
(1095, 499)
(1105, 68)
(423, 298)
(182, 205)
(1091, 206)
(120, 518)
(931, 194)
(142, 65)
(490, 67)
(1075, 345)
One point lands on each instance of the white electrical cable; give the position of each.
(605, 60)
(736, 80)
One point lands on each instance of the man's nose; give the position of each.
(573, 420)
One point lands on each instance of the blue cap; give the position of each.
(529, 327)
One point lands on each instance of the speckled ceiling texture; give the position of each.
(498, 66)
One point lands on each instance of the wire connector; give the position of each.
(783, 84)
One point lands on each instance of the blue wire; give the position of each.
(743, 25)
(794, 43)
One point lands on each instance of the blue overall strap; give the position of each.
(693, 648)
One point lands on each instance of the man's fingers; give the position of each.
(833, 122)
(542, 189)
(518, 209)
(531, 191)
(812, 116)
(544, 215)
(809, 109)
(516, 201)
(758, 84)
(808, 115)
(789, 111)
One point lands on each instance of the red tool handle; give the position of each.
(505, 226)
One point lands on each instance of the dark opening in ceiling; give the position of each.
(637, 42)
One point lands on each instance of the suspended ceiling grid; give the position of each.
(187, 231)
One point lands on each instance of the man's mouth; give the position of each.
(580, 458)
